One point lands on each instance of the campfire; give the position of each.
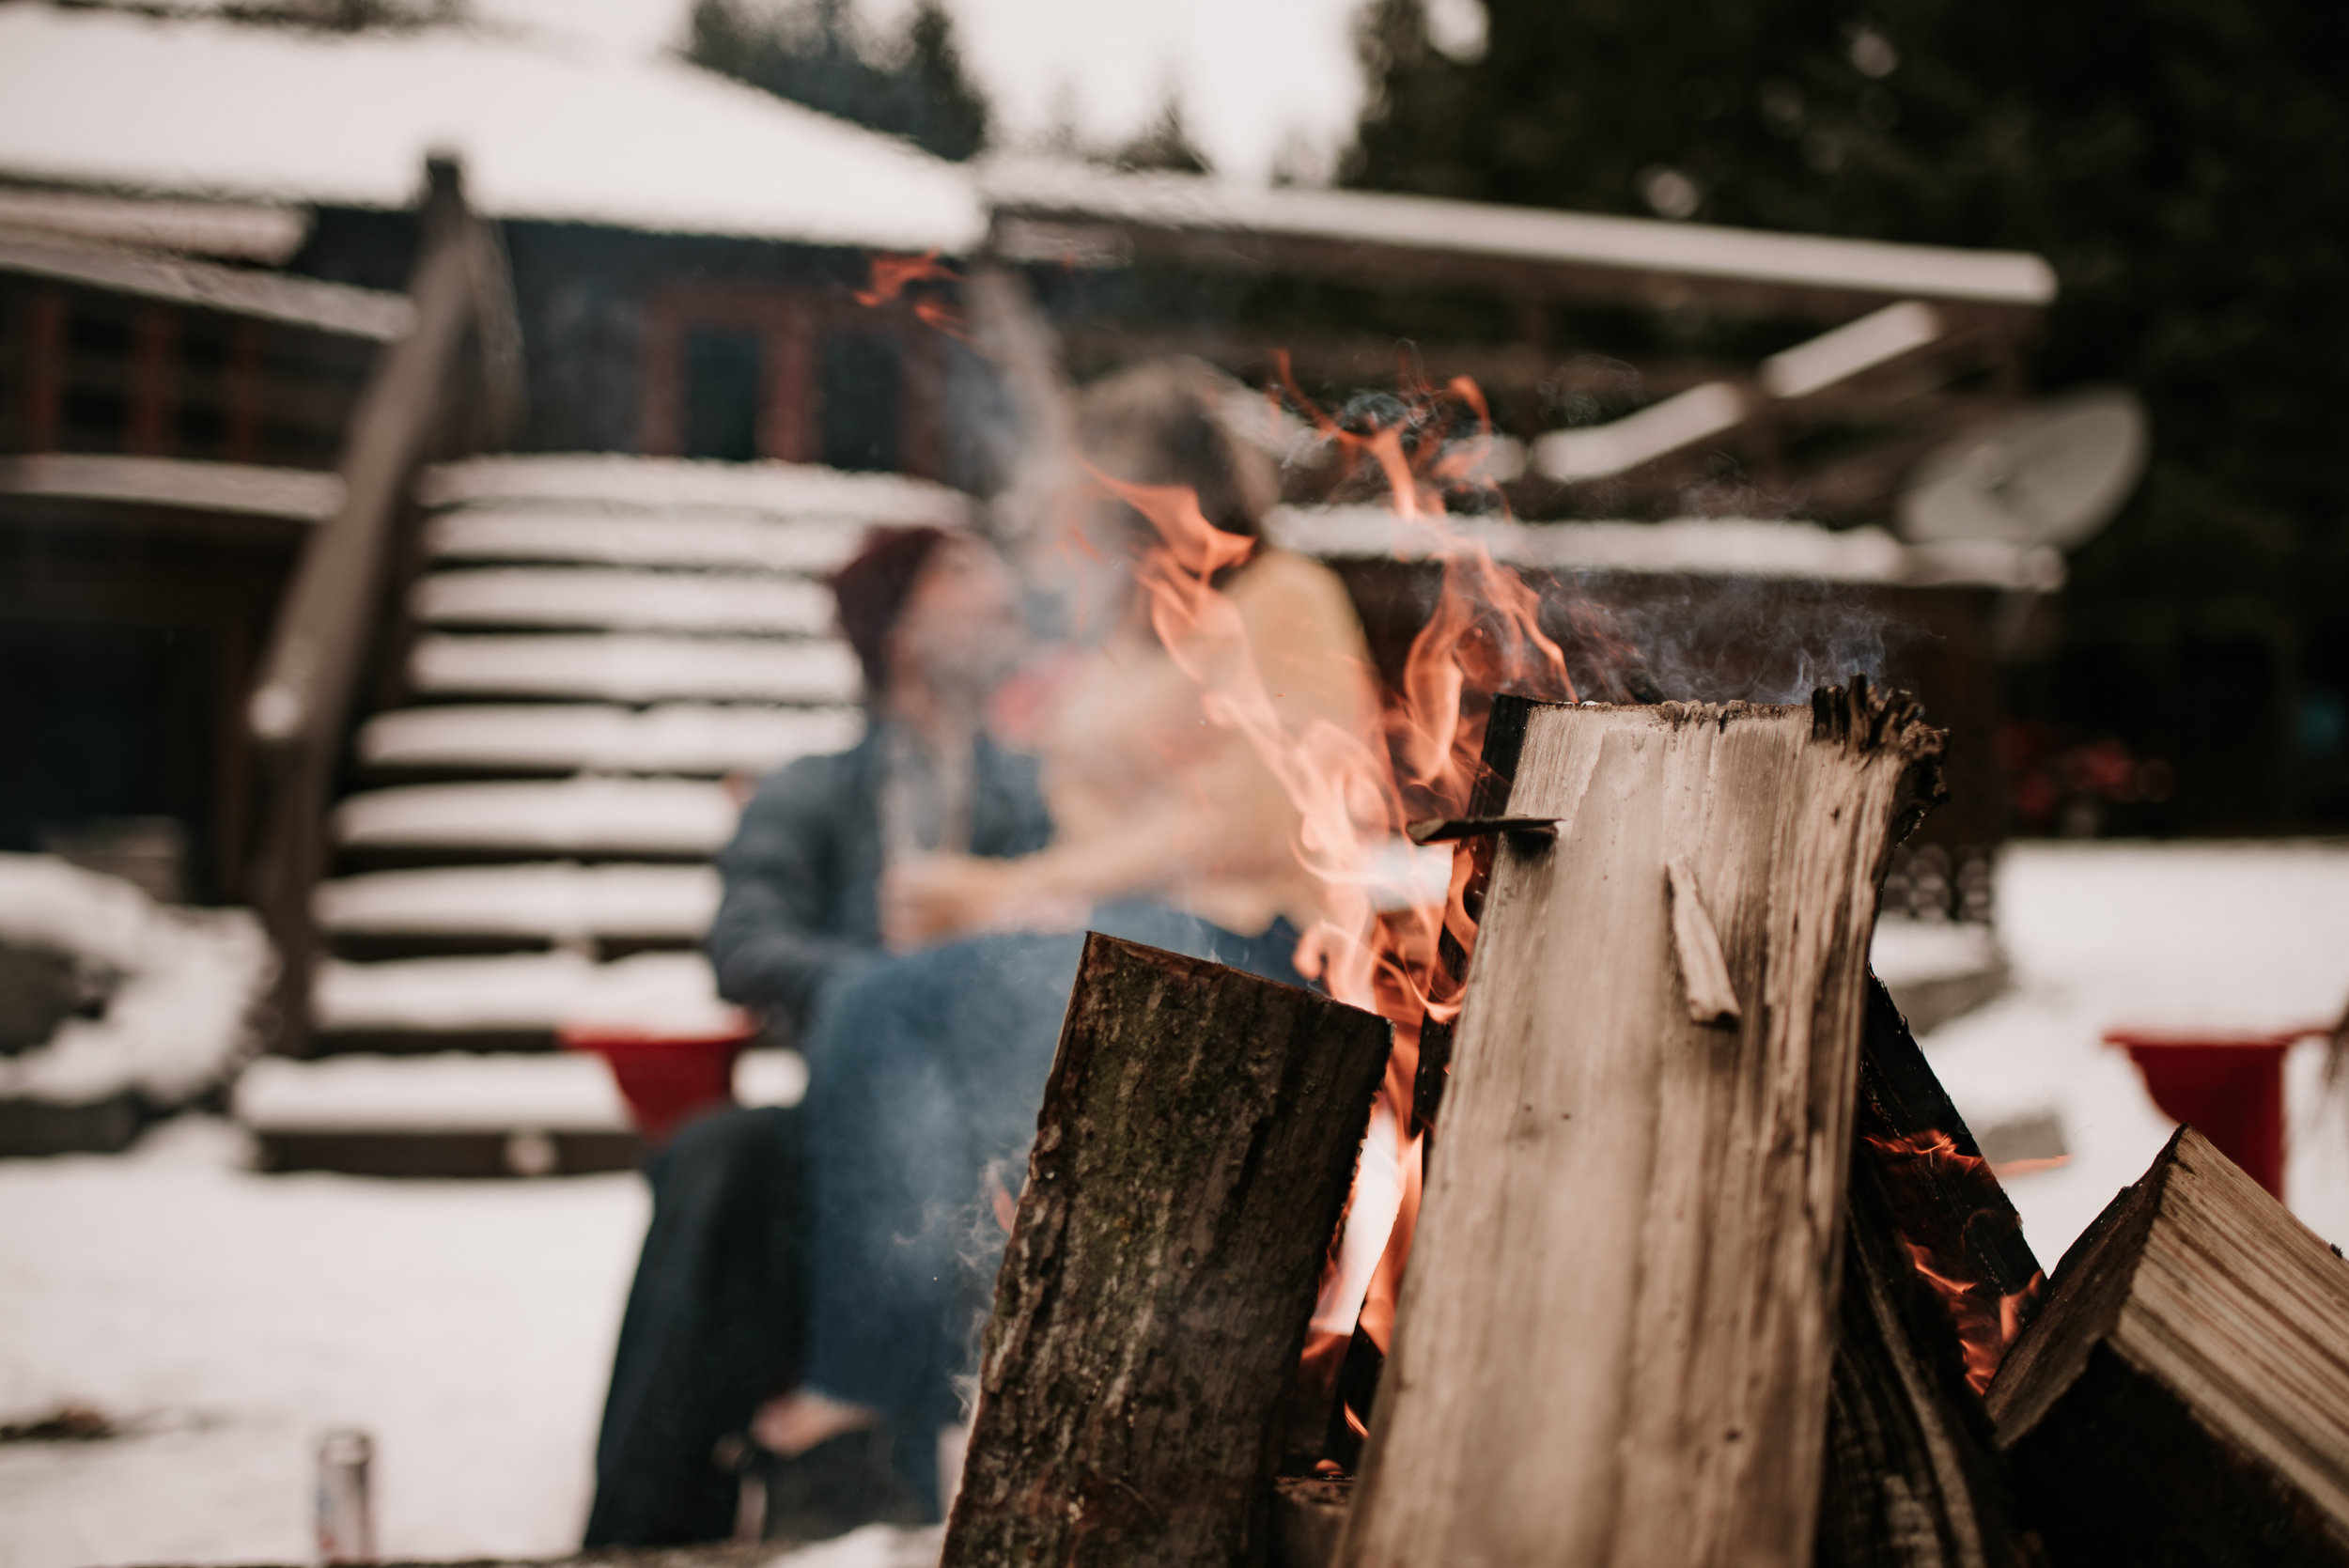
(1606, 1211)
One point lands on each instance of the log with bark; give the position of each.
(1615, 1340)
(1194, 1152)
(2184, 1395)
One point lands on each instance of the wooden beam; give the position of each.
(1615, 1339)
(301, 707)
(1197, 1141)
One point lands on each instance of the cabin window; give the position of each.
(800, 373)
(722, 396)
(862, 383)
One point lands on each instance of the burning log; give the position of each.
(1615, 1337)
(2184, 1395)
(1191, 1159)
(1914, 1475)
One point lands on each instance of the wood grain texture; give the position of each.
(1194, 1152)
(1614, 1339)
(1704, 973)
(2184, 1395)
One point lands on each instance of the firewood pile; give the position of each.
(1708, 1269)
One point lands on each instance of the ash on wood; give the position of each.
(2183, 1396)
(1196, 1145)
(1615, 1340)
(1914, 1475)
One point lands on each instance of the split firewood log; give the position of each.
(1192, 1160)
(1615, 1338)
(2184, 1395)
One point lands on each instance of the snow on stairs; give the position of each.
(602, 650)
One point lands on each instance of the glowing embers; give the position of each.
(1987, 1318)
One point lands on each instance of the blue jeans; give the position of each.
(925, 1072)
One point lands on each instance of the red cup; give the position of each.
(2228, 1085)
(664, 1077)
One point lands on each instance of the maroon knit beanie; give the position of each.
(873, 589)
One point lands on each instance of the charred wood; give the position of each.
(1914, 1475)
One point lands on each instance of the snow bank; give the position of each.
(2241, 936)
(1907, 950)
(176, 1021)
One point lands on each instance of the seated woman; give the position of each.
(926, 1066)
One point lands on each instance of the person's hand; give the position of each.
(936, 898)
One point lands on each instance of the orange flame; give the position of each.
(1986, 1321)
(1484, 637)
(893, 275)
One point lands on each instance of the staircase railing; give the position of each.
(452, 384)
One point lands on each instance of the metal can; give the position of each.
(346, 1511)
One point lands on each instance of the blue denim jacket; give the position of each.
(803, 874)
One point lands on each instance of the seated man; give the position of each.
(713, 1320)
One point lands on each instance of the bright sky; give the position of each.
(1253, 74)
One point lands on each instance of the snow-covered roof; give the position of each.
(1054, 189)
(204, 107)
(1693, 546)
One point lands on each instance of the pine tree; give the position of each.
(2179, 162)
(812, 53)
(1165, 146)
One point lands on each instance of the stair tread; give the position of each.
(523, 992)
(620, 600)
(580, 815)
(457, 1091)
(552, 900)
(672, 738)
(608, 480)
(632, 667)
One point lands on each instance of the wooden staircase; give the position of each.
(594, 655)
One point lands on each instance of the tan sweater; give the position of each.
(1150, 798)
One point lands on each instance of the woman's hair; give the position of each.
(1161, 423)
(872, 590)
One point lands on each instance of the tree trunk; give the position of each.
(1193, 1155)
(1615, 1338)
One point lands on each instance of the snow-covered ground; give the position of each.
(227, 1318)
(2240, 936)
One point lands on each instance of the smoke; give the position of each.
(1719, 638)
